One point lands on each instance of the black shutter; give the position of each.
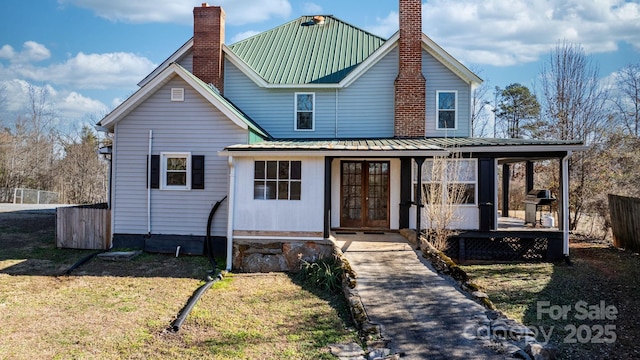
(197, 172)
(155, 172)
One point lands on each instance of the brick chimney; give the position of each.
(410, 106)
(208, 37)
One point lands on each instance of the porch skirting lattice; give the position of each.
(506, 246)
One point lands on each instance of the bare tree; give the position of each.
(445, 186)
(627, 101)
(479, 111)
(574, 100)
(575, 109)
(34, 147)
(82, 172)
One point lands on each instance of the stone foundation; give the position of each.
(277, 256)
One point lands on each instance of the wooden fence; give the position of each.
(625, 221)
(83, 228)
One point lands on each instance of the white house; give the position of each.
(312, 126)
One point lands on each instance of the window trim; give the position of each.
(277, 180)
(414, 180)
(455, 110)
(313, 111)
(163, 170)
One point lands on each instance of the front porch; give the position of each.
(512, 240)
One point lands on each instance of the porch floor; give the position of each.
(513, 223)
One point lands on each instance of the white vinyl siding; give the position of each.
(187, 61)
(193, 126)
(440, 78)
(304, 215)
(364, 109)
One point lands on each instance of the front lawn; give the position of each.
(121, 310)
(574, 304)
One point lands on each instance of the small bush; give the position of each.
(324, 274)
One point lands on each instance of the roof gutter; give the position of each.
(518, 148)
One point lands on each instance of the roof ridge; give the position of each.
(293, 54)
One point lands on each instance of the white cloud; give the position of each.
(77, 106)
(238, 12)
(244, 35)
(34, 52)
(90, 71)
(7, 52)
(67, 105)
(509, 32)
(385, 27)
(31, 52)
(312, 8)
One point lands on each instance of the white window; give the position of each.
(304, 111)
(458, 176)
(447, 114)
(175, 170)
(277, 180)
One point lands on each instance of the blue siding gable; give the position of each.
(364, 109)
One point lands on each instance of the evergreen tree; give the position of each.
(519, 109)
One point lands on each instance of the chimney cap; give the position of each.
(205, 4)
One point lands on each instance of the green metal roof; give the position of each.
(300, 53)
(338, 144)
(395, 144)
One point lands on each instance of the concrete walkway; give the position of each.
(423, 315)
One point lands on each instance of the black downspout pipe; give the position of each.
(419, 205)
(207, 243)
(81, 262)
(177, 323)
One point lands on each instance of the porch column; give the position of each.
(563, 208)
(529, 176)
(419, 206)
(405, 192)
(327, 197)
(487, 194)
(506, 172)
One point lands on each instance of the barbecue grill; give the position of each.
(534, 202)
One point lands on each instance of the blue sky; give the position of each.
(90, 54)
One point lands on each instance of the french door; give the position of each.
(364, 194)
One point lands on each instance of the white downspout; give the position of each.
(231, 206)
(565, 203)
(149, 184)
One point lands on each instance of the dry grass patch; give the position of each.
(600, 273)
(266, 316)
(121, 310)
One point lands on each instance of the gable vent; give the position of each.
(177, 94)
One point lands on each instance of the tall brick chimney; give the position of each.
(208, 37)
(410, 106)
